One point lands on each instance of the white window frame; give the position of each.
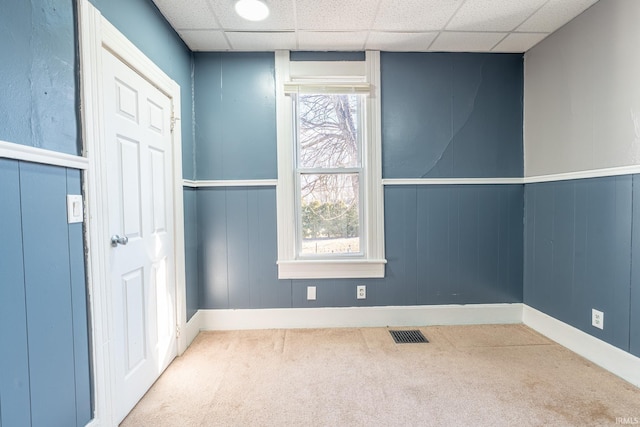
(330, 77)
(358, 170)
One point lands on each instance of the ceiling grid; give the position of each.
(390, 25)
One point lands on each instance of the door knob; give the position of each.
(117, 240)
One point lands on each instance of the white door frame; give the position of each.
(95, 34)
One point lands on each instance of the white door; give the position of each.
(138, 140)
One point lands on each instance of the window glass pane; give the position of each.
(328, 130)
(330, 214)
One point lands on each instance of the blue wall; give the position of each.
(448, 115)
(235, 112)
(444, 244)
(443, 115)
(634, 303)
(44, 364)
(578, 254)
(191, 250)
(44, 359)
(237, 249)
(38, 104)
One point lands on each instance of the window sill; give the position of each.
(331, 269)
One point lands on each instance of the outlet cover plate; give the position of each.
(361, 292)
(311, 293)
(597, 318)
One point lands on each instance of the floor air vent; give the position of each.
(407, 337)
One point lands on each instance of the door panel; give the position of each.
(126, 101)
(134, 314)
(139, 176)
(129, 183)
(156, 117)
(158, 190)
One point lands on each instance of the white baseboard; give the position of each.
(193, 327)
(617, 361)
(298, 318)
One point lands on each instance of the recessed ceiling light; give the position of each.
(252, 10)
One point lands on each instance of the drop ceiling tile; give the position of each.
(466, 42)
(519, 42)
(335, 15)
(339, 40)
(414, 15)
(402, 25)
(261, 41)
(197, 15)
(280, 16)
(493, 15)
(400, 42)
(555, 14)
(204, 40)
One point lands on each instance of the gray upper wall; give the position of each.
(582, 97)
(38, 102)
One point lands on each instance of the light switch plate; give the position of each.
(74, 208)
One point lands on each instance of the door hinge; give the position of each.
(177, 331)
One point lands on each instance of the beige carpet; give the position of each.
(490, 375)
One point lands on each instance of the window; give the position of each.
(330, 216)
(328, 174)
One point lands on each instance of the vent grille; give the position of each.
(408, 337)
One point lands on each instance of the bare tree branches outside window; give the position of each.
(329, 162)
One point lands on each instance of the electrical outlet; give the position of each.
(361, 292)
(311, 293)
(597, 318)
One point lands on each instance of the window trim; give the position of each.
(358, 170)
(352, 77)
